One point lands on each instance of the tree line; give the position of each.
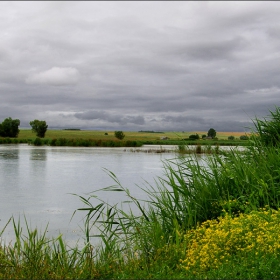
(9, 128)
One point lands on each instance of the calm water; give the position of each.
(37, 182)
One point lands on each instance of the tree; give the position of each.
(9, 127)
(211, 133)
(119, 134)
(39, 127)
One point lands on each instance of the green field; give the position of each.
(100, 138)
(129, 135)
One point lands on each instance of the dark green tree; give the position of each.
(39, 127)
(119, 134)
(9, 127)
(211, 133)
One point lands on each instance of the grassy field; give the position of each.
(99, 138)
(129, 135)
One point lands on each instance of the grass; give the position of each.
(216, 220)
(88, 138)
(130, 135)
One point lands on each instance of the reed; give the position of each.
(33, 256)
(193, 191)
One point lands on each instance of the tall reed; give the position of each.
(192, 191)
(34, 256)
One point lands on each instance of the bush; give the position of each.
(231, 137)
(119, 134)
(244, 137)
(53, 142)
(218, 241)
(37, 142)
(194, 137)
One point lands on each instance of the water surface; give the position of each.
(38, 182)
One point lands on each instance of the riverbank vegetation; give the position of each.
(88, 138)
(215, 220)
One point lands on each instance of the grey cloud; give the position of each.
(111, 118)
(55, 76)
(215, 50)
(148, 65)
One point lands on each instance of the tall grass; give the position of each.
(33, 256)
(193, 191)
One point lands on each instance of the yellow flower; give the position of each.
(213, 242)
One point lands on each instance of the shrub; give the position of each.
(53, 142)
(217, 241)
(37, 142)
(244, 137)
(8, 140)
(194, 137)
(231, 137)
(46, 141)
(119, 134)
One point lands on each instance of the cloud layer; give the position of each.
(151, 65)
(55, 76)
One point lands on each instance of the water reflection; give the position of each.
(9, 168)
(38, 154)
(9, 154)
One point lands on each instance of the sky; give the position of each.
(140, 65)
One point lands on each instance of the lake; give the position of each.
(38, 183)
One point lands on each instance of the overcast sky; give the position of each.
(139, 65)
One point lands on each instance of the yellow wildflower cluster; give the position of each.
(215, 241)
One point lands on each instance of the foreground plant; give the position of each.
(194, 190)
(216, 241)
(36, 257)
